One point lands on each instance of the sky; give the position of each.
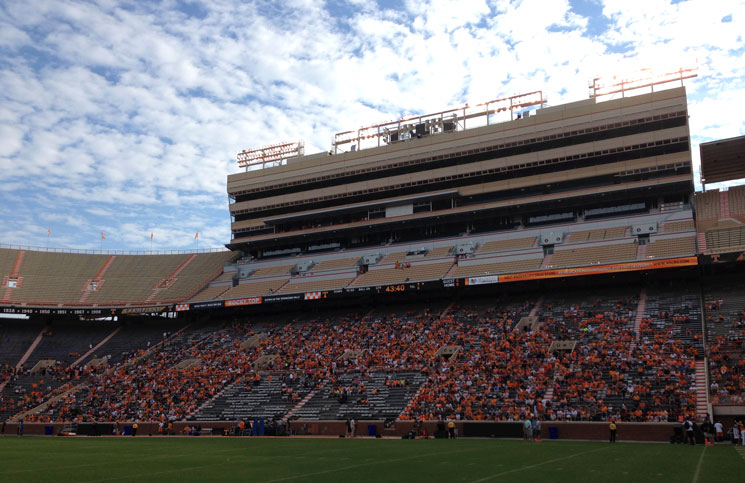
(125, 118)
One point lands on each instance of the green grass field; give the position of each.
(360, 460)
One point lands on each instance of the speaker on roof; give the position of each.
(644, 229)
(421, 129)
(448, 126)
(394, 137)
(551, 238)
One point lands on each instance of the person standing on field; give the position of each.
(612, 428)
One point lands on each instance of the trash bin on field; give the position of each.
(48, 430)
(553, 432)
(372, 430)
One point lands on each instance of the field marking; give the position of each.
(349, 467)
(151, 458)
(698, 466)
(149, 473)
(496, 475)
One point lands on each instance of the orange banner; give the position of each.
(599, 269)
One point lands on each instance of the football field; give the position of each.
(360, 460)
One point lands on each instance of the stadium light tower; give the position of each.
(273, 154)
(603, 86)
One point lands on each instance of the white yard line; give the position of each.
(349, 467)
(698, 466)
(496, 475)
(154, 473)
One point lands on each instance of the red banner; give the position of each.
(600, 269)
(239, 302)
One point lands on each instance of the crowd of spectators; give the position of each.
(491, 371)
(725, 321)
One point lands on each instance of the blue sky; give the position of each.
(126, 117)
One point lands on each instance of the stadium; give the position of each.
(555, 266)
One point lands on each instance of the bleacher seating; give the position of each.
(708, 205)
(390, 362)
(489, 268)
(202, 268)
(393, 257)
(316, 285)
(727, 238)
(504, 245)
(670, 247)
(439, 252)
(724, 302)
(674, 226)
(377, 395)
(415, 273)
(736, 200)
(334, 264)
(53, 278)
(597, 234)
(592, 255)
(211, 293)
(269, 399)
(271, 271)
(254, 289)
(132, 278)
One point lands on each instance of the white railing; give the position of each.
(111, 252)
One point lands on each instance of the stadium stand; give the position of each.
(509, 244)
(725, 328)
(254, 289)
(670, 247)
(474, 269)
(708, 205)
(592, 255)
(306, 285)
(736, 201)
(730, 238)
(674, 226)
(416, 272)
(335, 263)
(70, 279)
(54, 278)
(624, 346)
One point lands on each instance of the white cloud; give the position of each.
(139, 109)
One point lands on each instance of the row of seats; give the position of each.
(68, 278)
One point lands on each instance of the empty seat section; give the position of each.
(335, 264)
(132, 278)
(211, 293)
(254, 289)
(669, 247)
(708, 205)
(420, 272)
(270, 271)
(316, 285)
(673, 226)
(54, 278)
(732, 237)
(497, 267)
(511, 244)
(736, 201)
(393, 257)
(439, 252)
(593, 255)
(202, 268)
